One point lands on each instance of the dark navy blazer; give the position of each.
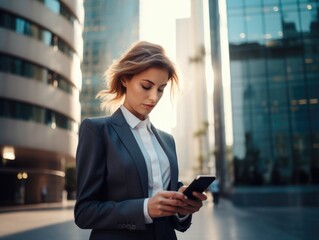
(112, 182)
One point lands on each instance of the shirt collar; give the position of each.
(132, 120)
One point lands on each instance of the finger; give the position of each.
(188, 210)
(166, 210)
(194, 203)
(183, 211)
(169, 208)
(193, 206)
(176, 202)
(182, 189)
(200, 196)
(173, 195)
(172, 200)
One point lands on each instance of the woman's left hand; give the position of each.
(192, 205)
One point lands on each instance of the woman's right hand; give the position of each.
(166, 203)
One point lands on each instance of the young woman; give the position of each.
(127, 170)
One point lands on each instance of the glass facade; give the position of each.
(27, 112)
(60, 8)
(109, 29)
(25, 27)
(274, 65)
(21, 67)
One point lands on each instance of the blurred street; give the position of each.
(222, 222)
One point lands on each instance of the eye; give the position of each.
(146, 87)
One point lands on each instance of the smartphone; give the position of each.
(199, 184)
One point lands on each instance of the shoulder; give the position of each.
(94, 124)
(102, 124)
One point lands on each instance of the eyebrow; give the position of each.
(147, 80)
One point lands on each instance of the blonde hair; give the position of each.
(138, 58)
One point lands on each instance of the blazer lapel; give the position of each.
(170, 153)
(125, 134)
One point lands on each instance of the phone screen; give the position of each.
(199, 184)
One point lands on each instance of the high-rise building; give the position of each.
(274, 67)
(193, 131)
(40, 80)
(110, 27)
(219, 54)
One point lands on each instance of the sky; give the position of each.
(157, 25)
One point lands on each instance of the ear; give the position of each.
(123, 81)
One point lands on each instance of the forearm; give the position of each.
(110, 215)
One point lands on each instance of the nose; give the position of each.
(154, 96)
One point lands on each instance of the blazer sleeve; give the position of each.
(179, 225)
(91, 210)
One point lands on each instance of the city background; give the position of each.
(248, 110)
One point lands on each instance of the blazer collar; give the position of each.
(127, 138)
(118, 118)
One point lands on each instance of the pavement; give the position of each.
(221, 222)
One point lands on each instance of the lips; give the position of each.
(149, 105)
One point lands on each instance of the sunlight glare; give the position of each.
(158, 25)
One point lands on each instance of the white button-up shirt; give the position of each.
(157, 163)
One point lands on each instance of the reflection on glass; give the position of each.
(273, 26)
(250, 3)
(53, 5)
(236, 35)
(235, 4)
(21, 67)
(28, 112)
(25, 27)
(59, 7)
(254, 28)
(274, 67)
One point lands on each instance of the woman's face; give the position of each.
(144, 91)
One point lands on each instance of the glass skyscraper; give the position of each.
(110, 27)
(274, 66)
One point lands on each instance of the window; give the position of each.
(22, 26)
(24, 68)
(59, 7)
(28, 112)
